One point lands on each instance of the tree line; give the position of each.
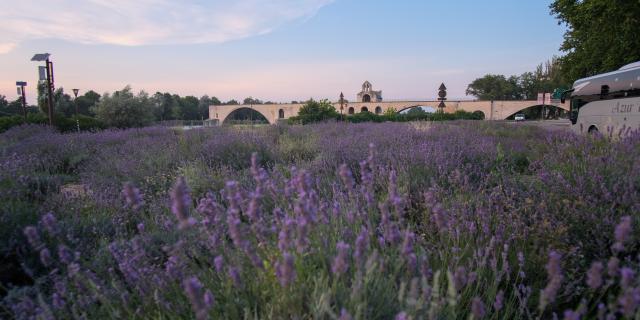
(122, 109)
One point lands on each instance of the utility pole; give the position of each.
(21, 85)
(50, 81)
(341, 103)
(75, 94)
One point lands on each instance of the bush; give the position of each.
(315, 111)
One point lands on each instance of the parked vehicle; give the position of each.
(608, 102)
(519, 117)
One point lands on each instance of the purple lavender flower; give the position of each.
(477, 308)
(594, 275)
(628, 302)
(499, 302)
(402, 316)
(361, 246)
(626, 277)
(621, 233)
(285, 270)
(344, 315)
(45, 257)
(340, 262)
(33, 237)
(554, 272)
(65, 255)
(132, 196)
(50, 224)
(218, 262)
(200, 302)
(459, 278)
(234, 273)
(181, 203)
(407, 245)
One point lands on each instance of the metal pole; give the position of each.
(24, 103)
(75, 94)
(50, 90)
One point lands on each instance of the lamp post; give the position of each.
(341, 103)
(21, 85)
(75, 94)
(50, 81)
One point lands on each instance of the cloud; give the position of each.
(144, 22)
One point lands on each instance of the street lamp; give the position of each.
(21, 85)
(75, 94)
(49, 78)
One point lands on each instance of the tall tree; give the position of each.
(123, 109)
(494, 87)
(602, 35)
(86, 101)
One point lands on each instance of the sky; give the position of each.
(278, 50)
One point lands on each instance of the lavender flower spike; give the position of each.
(132, 196)
(340, 264)
(200, 302)
(181, 203)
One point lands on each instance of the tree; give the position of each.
(316, 111)
(189, 107)
(251, 100)
(232, 102)
(494, 87)
(86, 101)
(602, 35)
(123, 109)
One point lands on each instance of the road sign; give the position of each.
(21, 84)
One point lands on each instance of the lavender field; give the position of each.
(456, 220)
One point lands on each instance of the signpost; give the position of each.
(442, 97)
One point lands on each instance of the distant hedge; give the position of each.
(371, 117)
(62, 123)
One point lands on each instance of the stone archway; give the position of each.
(351, 110)
(364, 109)
(378, 110)
(256, 115)
(366, 98)
(281, 114)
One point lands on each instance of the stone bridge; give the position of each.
(493, 110)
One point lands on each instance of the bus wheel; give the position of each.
(593, 130)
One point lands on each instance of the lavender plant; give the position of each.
(371, 221)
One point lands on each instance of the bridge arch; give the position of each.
(351, 110)
(364, 109)
(235, 111)
(281, 114)
(378, 110)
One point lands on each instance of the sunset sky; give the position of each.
(279, 50)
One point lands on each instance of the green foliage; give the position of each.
(415, 114)
(602, 35)
(546, 78)
(62, 123)
(123, 109)
(315, 111)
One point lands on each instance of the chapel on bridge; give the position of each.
(368, 95)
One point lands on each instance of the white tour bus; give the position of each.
(608, 103)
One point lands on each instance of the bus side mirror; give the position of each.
(573, 116)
